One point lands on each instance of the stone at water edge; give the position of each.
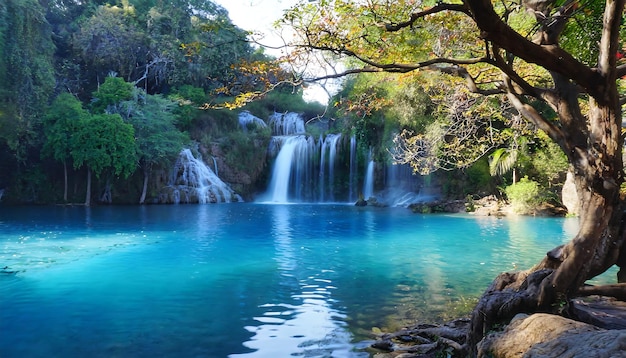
(547, 336)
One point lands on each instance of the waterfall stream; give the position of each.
(368, 185)
(304, 169)
(192, 181)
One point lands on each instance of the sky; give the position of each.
(258, 16)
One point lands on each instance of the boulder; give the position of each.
(545, 335)
(569, 195)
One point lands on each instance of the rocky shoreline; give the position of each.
(584, 327)
(596, 327)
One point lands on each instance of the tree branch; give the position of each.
(617, 290)
(550, 57)
(420, 14)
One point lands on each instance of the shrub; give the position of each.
(525, 195)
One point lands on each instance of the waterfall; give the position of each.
(352, 178)
(331, 141)
(368, 186)
(292, 174)
(328, 149)
(192, 181)
(402, 187)
(286, 124)
(248, 121)
(322, 169)
(215, 166)
(306, 168)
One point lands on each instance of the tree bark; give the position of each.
(593, 145)
(64, 182)
(88, 194)
(595, 248)
(144, 188)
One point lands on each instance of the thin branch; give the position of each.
(420, 14)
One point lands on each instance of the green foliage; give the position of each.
(104, 143)
(283, 100)
(61, 121)
(189, 100)
(502, 160)
(111, 41)
(153, 119)
(548, 163)
(242, 149)
(33, 186)
(474, 180)
(525, 196)
(26, 74)
(109, 95)
(581, 36)
(479, 178)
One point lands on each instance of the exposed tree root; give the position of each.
(617, 290)
(508, 295)
(428, 340)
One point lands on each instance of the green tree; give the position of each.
(524, 53)
(525, 196)
(548, 162)
(158, 140)
(61, 121)
(110, 94)
(104, 144)
(26, 74)
(110, 41)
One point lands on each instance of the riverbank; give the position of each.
(588, 327)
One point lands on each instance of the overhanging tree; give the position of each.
(562, 54)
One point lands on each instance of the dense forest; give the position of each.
(108, 92)
(98, 98)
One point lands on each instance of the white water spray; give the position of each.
(192, 181)
(368, 185)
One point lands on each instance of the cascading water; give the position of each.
(368, 185)
(402, 187)
(353, 167)
(329, 149)
(304, 169)
(192, 181)
(247, 120)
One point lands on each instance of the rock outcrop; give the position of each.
(546, 335)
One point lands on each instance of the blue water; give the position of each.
(240, 280)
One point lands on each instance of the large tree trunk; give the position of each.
(593, 145)
(595, 248)
(64, 182)
(88, 194)
(144, 189)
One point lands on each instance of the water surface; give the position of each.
(239, 280)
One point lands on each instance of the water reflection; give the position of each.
(308, 325)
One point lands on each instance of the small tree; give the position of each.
(158, 140)
(109, 95)
(103, 143)
(63, 119)
(524, 196)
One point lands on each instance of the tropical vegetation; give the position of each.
(474, 93)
